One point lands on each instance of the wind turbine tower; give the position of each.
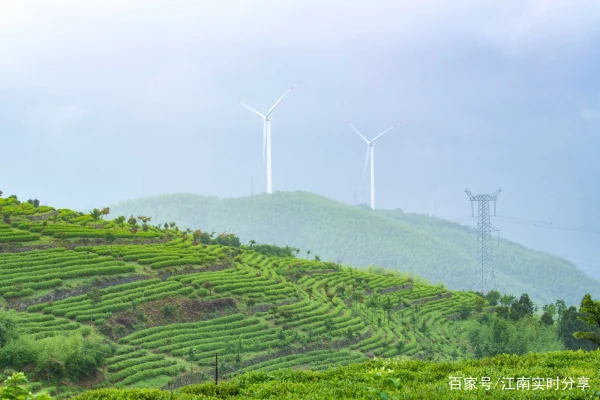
(371, 157)
(267, 137)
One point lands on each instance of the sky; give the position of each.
(102, 101)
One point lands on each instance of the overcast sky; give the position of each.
(102, 101)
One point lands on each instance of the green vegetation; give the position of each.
(13, 389)
(407, 379)
(430, 247)
(106, 311)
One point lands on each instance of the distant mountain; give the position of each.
(433, 248)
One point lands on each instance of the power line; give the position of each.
(538, 224)
(550, 225)
(541, 224)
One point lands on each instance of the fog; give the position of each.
(106, 101)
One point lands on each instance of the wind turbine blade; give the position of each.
(356, 130)
(281, 98)
(251, 109)
(366, 165)
(387, 130)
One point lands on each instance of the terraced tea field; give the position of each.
(167, 302)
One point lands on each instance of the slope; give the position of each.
(433, 248)
(164, 302)
(565, 375)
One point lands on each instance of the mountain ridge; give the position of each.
(433, 248)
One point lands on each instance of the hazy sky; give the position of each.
(104, 101)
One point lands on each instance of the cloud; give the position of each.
(591, 115)
(94, 27)
(526, 24)
(43, 118)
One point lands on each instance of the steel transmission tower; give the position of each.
(485, 272)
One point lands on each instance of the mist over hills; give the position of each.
(439, 250)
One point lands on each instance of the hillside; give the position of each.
(407, 379)
(433, 248)
(147, 305)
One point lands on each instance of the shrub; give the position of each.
(13, 389)
(168, 311)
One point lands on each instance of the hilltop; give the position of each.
(436, 249)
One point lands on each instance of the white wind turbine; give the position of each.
(267, 136)
(371, 155)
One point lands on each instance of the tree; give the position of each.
(36, 203)
(493, 296)
(132, 220)
(479, 303)
(507, 300)
(120, 221)
(95, 214)
(550, 309)
(329, 324)
(145, 221)
(7, 329)
(502, 311)
(110, 238)
(190, 354)
(387, 307)
(547, 319)
(196, 235)
(561, 306)
(317, 258)
(355, 295)
(166, 226)
(521, 308)
(464, 312)
(251, 243)
(95, 297)
(570, 323)
(590, 314)
(104, 211)
(548, 315)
